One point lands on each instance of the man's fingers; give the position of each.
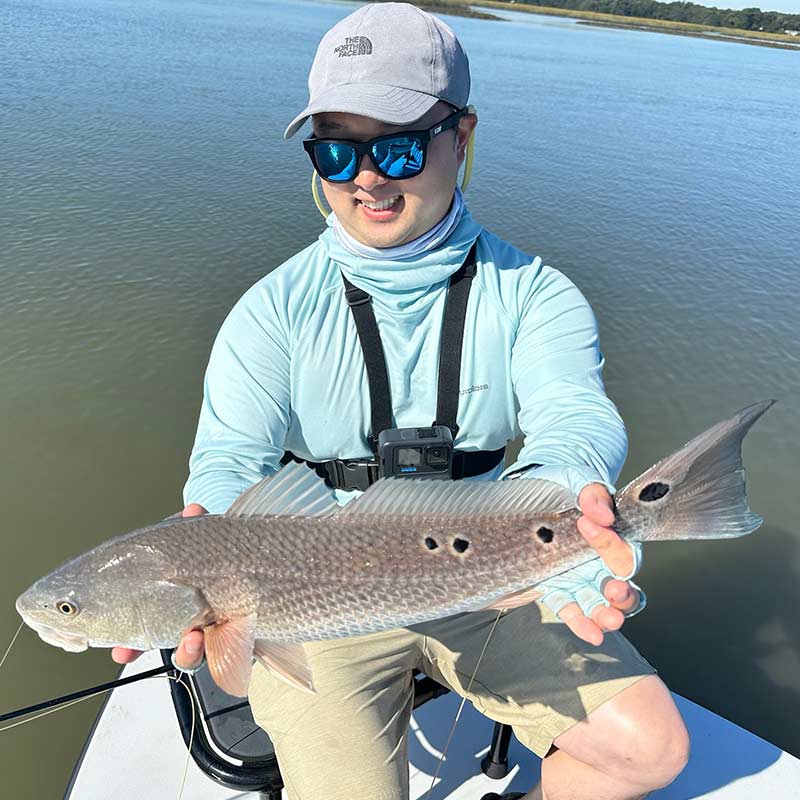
(596, 505)
(614, 550)
(189, 653)
(621, 595)
(584, 628)
(124, 655)
(595, 502)
(193, 510)
(607, 619)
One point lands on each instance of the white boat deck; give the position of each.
(138, 734)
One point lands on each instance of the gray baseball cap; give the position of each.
(387, 61)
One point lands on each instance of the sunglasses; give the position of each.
(396, 156)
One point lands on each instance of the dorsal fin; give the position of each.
(441, 497)
(295, 490)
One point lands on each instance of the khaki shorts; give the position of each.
(349, 741)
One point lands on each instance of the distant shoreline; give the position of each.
(709, 34)
(456, 8)
(593, 18)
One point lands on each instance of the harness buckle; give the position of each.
(352, 475)
(355, 296)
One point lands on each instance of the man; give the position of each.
(287, 374)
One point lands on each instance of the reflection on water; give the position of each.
(146, 185)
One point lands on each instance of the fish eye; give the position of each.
(67, 608)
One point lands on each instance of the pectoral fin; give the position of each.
(515, 599)
(229, 652)
(287, 661)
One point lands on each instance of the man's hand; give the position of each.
(595, 526)
(189, 653)
(589, 599)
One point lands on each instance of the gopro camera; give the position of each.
(416, 452)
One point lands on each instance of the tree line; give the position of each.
(750, 19)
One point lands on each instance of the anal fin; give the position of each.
(286, 661)
(229, 652)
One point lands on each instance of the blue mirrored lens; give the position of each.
(400, 157)
(336, 161)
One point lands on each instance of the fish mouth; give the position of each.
(29, 609)
(71, 642)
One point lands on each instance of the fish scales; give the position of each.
(321, 578)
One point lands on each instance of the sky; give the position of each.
(788, 6)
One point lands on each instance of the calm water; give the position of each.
(145, 185)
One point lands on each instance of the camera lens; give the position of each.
(436, 456)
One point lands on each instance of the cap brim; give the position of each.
(389, 104)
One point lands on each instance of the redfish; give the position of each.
(287, 565)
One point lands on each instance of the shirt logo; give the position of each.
(354, 46)
(478, 388)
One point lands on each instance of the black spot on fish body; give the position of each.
(653, 491)
(545, 534)
(460, 545)
(431, 543)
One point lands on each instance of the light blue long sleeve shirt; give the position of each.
(287, 373)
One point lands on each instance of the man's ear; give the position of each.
(466, 125)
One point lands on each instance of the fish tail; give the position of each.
(696, 493)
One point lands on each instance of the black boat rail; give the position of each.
(244, 769)
(232, 750)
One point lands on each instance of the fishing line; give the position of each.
(461, 706)
(64, 705)
(191, 734)
(8, 649)
(51, 711)
(84, 693)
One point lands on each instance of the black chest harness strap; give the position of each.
(349, 474)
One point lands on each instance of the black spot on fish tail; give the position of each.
(545, 534)
(460, 545)
(653, 491)
(431, 543)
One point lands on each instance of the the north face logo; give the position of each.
(354, 46)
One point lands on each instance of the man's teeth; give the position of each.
(382, 205)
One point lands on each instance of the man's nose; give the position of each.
(368, 176)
